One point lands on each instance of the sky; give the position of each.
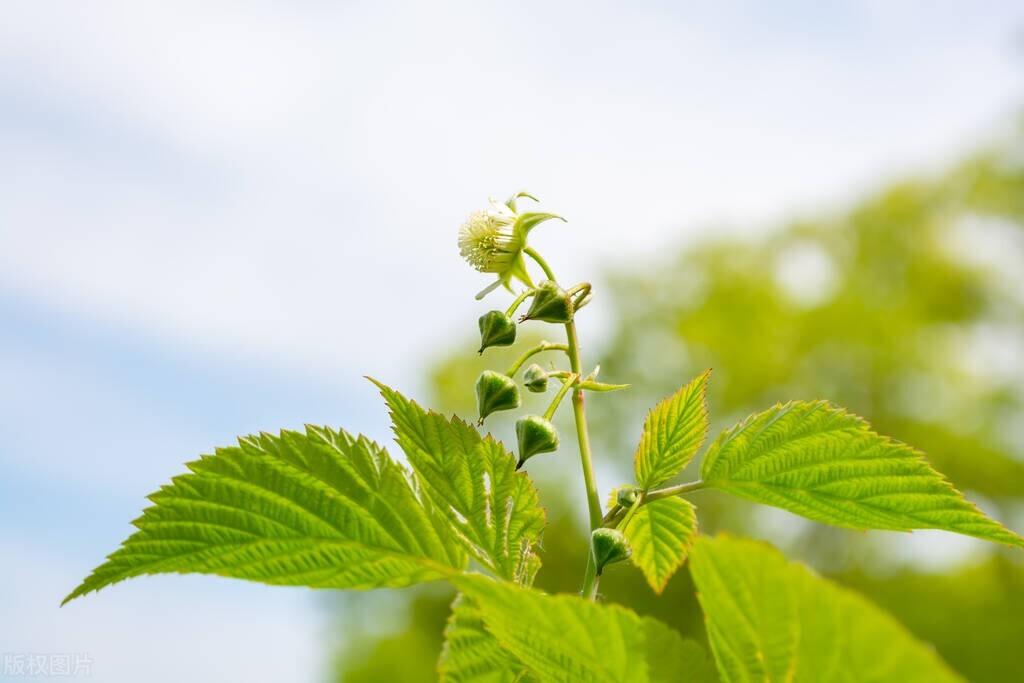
(215, 218)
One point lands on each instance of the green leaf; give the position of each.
(672, 658)
(493, 509)
(824, 463)
(567, 638)
(660, 534)
(320, 509)
(673, 431)
(771, 620)
(471, 654)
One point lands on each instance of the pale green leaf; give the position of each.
(674, 659)
(770, 620)
(320, 509)
(566, 638)
(824, 463)
(471, 654)
(660, 534)
(673, 431)
(473, 480)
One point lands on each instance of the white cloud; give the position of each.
(265, 183)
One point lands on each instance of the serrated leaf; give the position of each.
(493, 508)
(824, 463)
(320, 509)
(673, 431)
(770, 620)
(660, 534)
(471, 654)
(566, 638)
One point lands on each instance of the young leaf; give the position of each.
(673, 431)
(771, 620)
(824, 463)
(320, 509)
(567, 638)
(660, 534)
(473, 480)
(471, 654)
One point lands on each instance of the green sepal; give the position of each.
(550, 304)
(591, 385)
(495, 392)
(525, 222)
(511, 201)
(535, 435)
(535, 379)
(608, 547)
(496, 329)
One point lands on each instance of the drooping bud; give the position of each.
(496, 329)
(550, 304)
(627, 495)
(608, 547)
(535, 435)
(535, 379)
(495, 392)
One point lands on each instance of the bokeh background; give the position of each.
(216, 217)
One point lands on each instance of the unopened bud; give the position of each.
(535, 435)
(496, 329)
(550, 304)
(535, 379)
(495, 392)
(608, 546)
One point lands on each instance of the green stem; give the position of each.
(515, 304)
(582, 437)
(532, 253)
(586, 458)
(543, 346)
(567, 384)
(670, 491)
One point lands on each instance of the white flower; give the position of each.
(492, 241)
(489, 241)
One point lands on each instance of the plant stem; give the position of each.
(543, 346)
(669, 491)
(569, 382)
(532, 253)
(510, 311)
(586, 458)
(582, 437)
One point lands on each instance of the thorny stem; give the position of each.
(582, 436)
(586, 459)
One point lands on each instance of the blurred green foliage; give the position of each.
(907, 309)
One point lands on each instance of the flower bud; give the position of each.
(535, 435)
(627, 495)
(550, 304)
(608, 546)
(495, 392)
(535, 379)
(496, 329)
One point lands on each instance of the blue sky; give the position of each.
(209, 213)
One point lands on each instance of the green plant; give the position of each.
(325, 509)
